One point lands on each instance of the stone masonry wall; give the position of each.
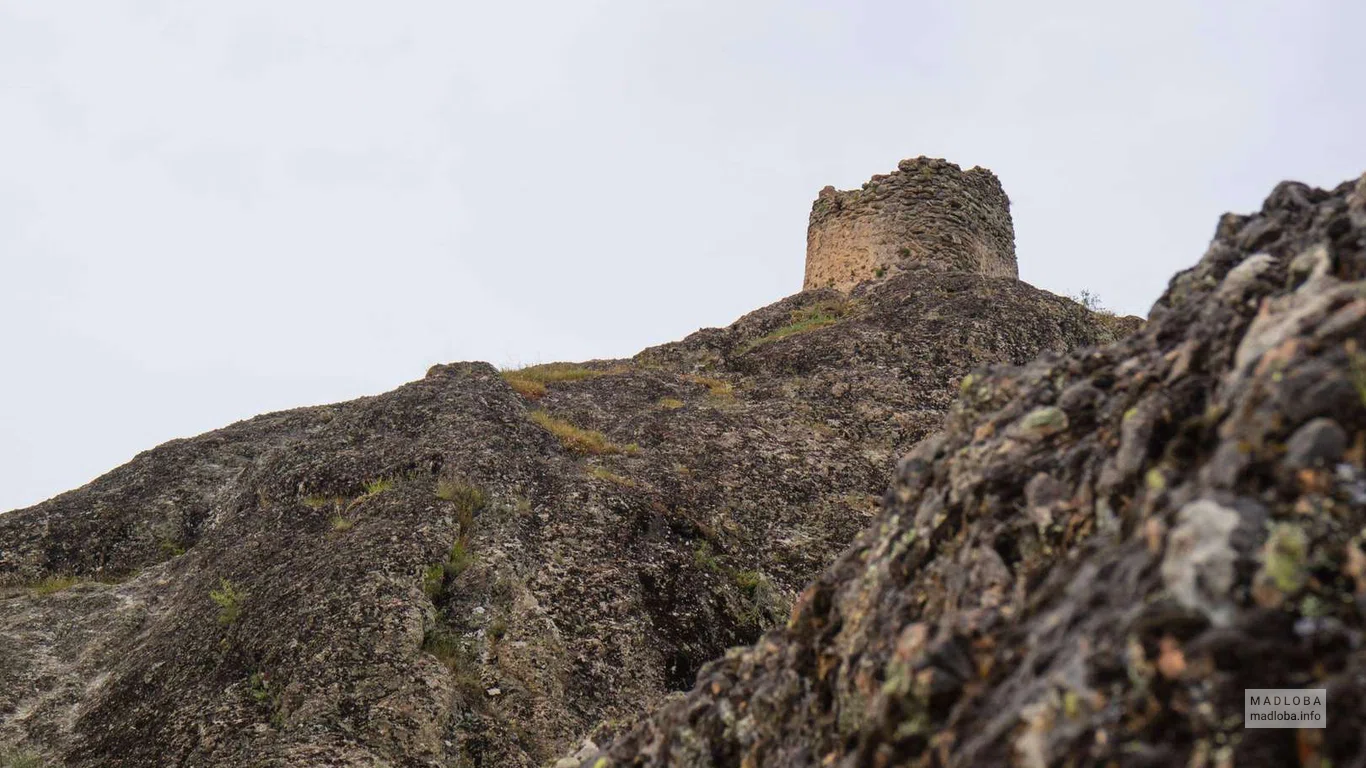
(927, 210)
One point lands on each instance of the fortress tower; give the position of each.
(929, 210)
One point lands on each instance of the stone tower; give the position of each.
(928, 210)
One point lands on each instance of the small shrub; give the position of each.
(229, 600)
(748, 581)
(54, 584)
(260, 686)
(340, 523)
(670, 403)
(170, 547)
(704, 558)
(575, 439)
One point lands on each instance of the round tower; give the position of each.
(928, 210)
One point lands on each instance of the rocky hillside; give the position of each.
(1100, 550)
(480, 568)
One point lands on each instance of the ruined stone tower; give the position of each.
(928, 210)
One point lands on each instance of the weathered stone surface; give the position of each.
(927, 211)
(429, 577)
(1166, 563)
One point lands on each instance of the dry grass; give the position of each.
(670, 403)
(530, 382)
(718, 388)
(584, 442)
(602, 473)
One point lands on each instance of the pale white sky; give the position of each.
(209, 210)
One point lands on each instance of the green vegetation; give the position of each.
(21, 758)
(436, 577)
(704, 558)
(530, 382)
(670, 403)
(460, 660)
(764, 602)
(602, 473)
(498, 628)
(229, 600)
(379, 485)
(54, 584)
(468, 500)
(459, 559)
(1357, 362)
(340, 523)
(444, 645)
(170, 547)
(318, 501)
(434, 581)
(748, 581)
(260, 686)
(804, 320)
(264, 692)
(575, 439)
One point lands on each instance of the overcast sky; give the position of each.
(210, 210)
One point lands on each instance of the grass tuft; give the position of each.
(717, 388)
(54, 584)
(378, 486)
(340, 523)
(530, 382)
(670, 403)
(468, 500)
(602, 473)
(803, 320)
(575, 439)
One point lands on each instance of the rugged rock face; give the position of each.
(1101, 550)
(926, 211)
(478, 569)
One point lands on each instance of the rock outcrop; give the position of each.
(1100, 550)
(480, 568)
(927, 211)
